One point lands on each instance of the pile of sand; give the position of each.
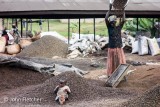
(12, 77)
(82, 90)
(47, 47)
(151, 98)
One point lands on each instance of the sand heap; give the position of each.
(82, 89)
(12, 77)
(46, 47)
(151, 98)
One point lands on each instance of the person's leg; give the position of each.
(109, 62)
(62, 99)
(121, 55)
(57, 100)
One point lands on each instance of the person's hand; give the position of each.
(110, 6)
(65, 90)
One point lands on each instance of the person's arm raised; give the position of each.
(107, 14)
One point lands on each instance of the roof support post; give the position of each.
(158, 25)
(21, 27)
(7, 23)
(153, 26)
(26, 27)
(79, 28)
(48, 24)
(30, 20)
(137, 24)
(94, 25)
(68, 30)
(12, 21)
(16, 22)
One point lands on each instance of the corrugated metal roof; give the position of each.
(22, 8)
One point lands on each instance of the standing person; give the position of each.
(62, 91)
(5, 34)
(115, 51)
(40, 24)
(16, 33)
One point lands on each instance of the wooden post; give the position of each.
(158, 25)
(68, 30)
(7, 23)
(137, 24)
(26, 27)
(79, 28)
(94, 25)
(48, 24)
(21, 28)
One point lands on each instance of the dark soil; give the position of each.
(150, 98)
(81, 90)
(20, 83)
(12, 77)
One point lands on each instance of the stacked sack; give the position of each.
(87, 44)
(145, 45)
(2, 44)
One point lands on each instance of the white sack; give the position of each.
(135, 47)
(24, 42)
(13, 49)
(129, 41)
(2, 44)
(74, 54)
(103, 41)
(143, 45)
(90, 37)
(153, 45)
(158, 40)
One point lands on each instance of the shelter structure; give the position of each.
(74, 8)
(69, 9)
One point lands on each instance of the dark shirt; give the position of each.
(4, 32)
(115, 40)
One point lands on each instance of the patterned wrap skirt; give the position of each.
(115, 58)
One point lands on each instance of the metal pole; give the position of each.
(79, 28)
(26, 26)
(137, 25)
(16, 22)
(68, 30)
(7, 23)
(12, 21)
(3, 23)
(21, 27)
(30, 23)
(94, 25)
(48, 25)
(153, 27)
(158, 27)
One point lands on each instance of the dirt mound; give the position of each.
(142, 79)
(47, 47)
(150, 98)
(82, 89)
(12, 77)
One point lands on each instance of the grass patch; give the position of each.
(62, 28)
